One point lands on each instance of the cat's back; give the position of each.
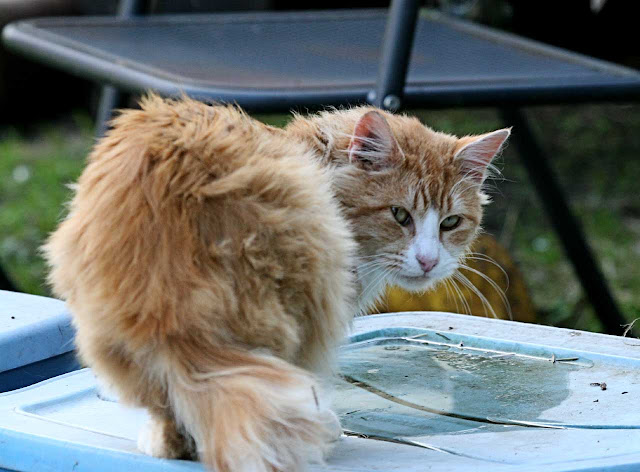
(220, 137)
(184, 207)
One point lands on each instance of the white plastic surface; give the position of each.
(32, 329)
(420, 380)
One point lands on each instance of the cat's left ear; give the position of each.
(373, 145)
(476, 152)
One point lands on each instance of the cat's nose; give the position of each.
(427, 263)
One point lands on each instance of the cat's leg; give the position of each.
(323, 398)
(320, 366)
(323, 394)
(334, 428)
(130, 384)
(161, 437)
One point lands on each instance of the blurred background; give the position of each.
(47, 129)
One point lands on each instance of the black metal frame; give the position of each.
(6, 283)
(396, 52)
(110, 97)
(564, 222)
(32, 39)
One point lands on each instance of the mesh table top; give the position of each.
(278, 60)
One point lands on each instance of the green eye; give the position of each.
(401, 215)
(450, 222)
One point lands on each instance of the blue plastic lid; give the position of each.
(421, 391)
(32, 328)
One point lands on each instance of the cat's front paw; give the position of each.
(159, 438)
(151, 440)
(333, 431)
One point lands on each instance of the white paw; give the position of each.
(106, 392)
(151, 440)
(334, 429)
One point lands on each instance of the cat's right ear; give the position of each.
(476, 152)
(373, 145)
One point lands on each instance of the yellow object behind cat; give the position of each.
(443, 299)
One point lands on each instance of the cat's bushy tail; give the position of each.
(262, 414)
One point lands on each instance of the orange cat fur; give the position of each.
(213, 263)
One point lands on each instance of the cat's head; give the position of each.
(414, 196)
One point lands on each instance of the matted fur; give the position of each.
(212, 263)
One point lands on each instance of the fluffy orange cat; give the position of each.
(213, 263)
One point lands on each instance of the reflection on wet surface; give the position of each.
(415, 385)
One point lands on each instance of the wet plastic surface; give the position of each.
(424, 391)
(507, 404)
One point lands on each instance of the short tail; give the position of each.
(262, 414)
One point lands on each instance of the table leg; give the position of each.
(564, 222)
(6, 283)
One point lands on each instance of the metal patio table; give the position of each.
(397, 59)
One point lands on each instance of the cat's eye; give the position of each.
(450, 222)
(401, 215)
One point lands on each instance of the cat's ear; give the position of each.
(373, 145)
(476, 152)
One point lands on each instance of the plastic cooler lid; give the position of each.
(32, 328)
(417, 391)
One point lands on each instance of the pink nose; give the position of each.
(426, 263)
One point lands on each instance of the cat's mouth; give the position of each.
(426, 281)
(415, 277)
(415, 282)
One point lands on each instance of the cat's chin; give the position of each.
(415, 284)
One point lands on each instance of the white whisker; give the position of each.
(478, 293)
(450, 294)
(478, 256)
(494, 285)
(463, 300)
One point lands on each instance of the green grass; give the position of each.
(593, 149)
(34, 172)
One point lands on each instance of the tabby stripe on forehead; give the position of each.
(446, 197)
(442, 197)
(425, 198)
(361, 211)
(415, 199)
(434, 193)
(417, 171)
